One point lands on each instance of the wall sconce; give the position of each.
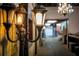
(20, 16)
(39, 12)
(39, 21)
(20, 13)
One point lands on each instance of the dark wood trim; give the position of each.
(35, 42)
(24, 44)
(58, 20)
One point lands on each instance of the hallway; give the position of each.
(53, 47)
(23, 24)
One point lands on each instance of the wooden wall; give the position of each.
(10, 48)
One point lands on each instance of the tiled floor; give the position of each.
(53, 47)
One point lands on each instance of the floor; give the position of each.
(53, 46)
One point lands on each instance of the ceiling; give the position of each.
(55, 4)
(44, 4)
(58, 20)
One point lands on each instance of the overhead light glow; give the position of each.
(58, 24)
(65, 8)
(47, 24)
(51, 21)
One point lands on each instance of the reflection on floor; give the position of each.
(53, 47)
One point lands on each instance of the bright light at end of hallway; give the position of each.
(47, 24)
(58, 24)
(54, 21)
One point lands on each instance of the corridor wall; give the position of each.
(73, 26)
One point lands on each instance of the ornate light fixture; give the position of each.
(20, 13)
(39, 11)
(50, 21)
(65, 8)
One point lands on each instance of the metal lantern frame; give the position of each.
(20, 10)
